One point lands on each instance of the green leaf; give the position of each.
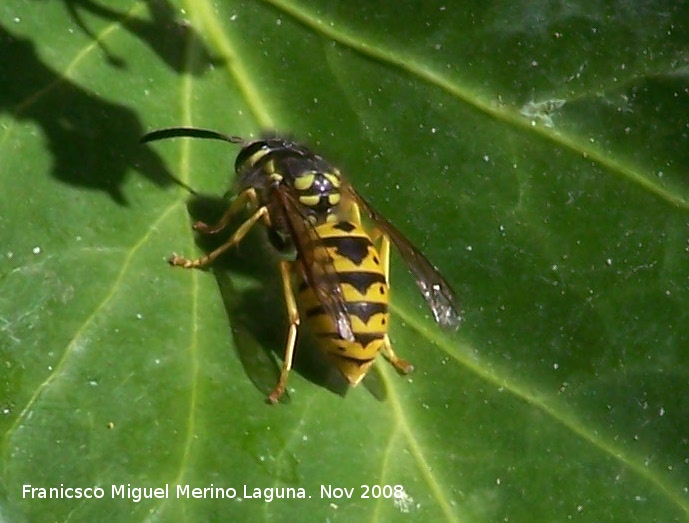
(538, 154)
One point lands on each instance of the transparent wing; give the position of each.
(319, 272)
(435, 290)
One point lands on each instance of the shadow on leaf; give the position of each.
(163, 33)
(93, 142)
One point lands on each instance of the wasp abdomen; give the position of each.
(365, 294)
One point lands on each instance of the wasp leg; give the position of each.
(401, 365)
(293, 313)
(240, 201)
(179, 261)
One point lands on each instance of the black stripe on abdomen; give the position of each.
(360, 280)
(362, 338)
(363, 310)
(355, 361)
(354, 248)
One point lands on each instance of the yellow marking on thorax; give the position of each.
(256, 157)
(304, 181)
(310, 200)
(334, 179)
(334, 199)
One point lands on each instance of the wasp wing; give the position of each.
(435, 290)
(319, 272)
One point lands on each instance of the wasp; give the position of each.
(339, 268)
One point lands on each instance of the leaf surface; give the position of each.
(536, 152)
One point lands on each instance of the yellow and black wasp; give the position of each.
(341, 269)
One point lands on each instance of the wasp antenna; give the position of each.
(189, 132)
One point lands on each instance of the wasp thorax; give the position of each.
(319, 192)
